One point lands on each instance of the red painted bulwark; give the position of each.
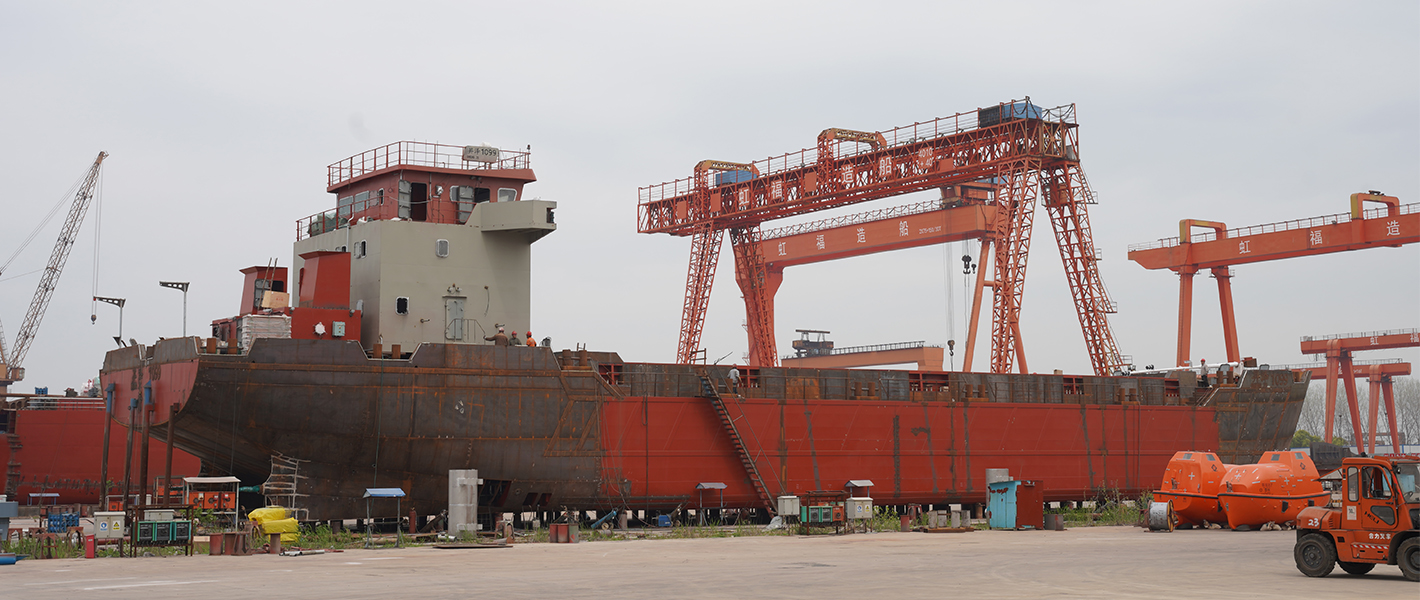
(929, 451)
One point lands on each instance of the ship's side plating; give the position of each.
(547, 430)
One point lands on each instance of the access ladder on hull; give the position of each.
(711, 391)
(12, 470)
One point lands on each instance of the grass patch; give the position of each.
(1110, 508)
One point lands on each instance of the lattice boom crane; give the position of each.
(1026, 152)
(10, 363)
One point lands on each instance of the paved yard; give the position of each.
(1102, 562)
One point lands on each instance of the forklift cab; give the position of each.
(1374, 524)
(1369, 497)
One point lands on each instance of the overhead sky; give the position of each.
(221, 118)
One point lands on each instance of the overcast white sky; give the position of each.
(221, 119)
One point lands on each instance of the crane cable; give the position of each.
(25, 244)
(98, 228)
(40, 227)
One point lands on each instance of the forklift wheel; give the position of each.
(1408, 557)
(1315, 555)
(1356, 568)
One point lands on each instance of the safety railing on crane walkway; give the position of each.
(898, 136)
(1372, 213)
(1357, 363)
(893, 212)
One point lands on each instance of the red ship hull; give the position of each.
(914, 453)
(60, 451)
(549, 429)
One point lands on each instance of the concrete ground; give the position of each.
(1100, 562)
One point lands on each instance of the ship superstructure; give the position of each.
(438, 238)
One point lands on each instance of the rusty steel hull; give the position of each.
(546, 430)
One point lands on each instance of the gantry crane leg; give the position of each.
(976, 301)
(1333, 366)
(1374, 400)
(1064, 194)
(758, 290)
(704, 257)
(1224, 276)
(1015, 201)
(1348, 379)
(1185, 316)
(1388, 392)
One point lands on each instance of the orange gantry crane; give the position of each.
(1391, 225)
(1339, 364)
(1023, 152)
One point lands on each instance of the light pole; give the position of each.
(179, 285)
(119, 303)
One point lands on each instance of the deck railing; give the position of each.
(418, 154)
(54, 403)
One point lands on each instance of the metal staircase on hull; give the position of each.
(12, 470)
(711, 391)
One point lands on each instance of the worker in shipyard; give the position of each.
(734, 380)
(532, 343)
(498, 339)
(513, 339)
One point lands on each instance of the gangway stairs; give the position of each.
(712, 391)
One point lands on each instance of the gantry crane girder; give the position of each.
(908, 226)
(885, 230)
(1391, 225)
(1026, 152)
(1379, 340)
(1390, 368)
(1341, 369)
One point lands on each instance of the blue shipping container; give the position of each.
(1001, 113)
(724, 177)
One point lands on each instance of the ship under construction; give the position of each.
(369, 363)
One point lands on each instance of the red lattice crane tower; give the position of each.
(1029, 154)
(10, 369)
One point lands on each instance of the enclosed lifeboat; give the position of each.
(1192, 481)
(1272, 491)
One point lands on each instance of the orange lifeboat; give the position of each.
(1272, 491)
(1192, 481)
